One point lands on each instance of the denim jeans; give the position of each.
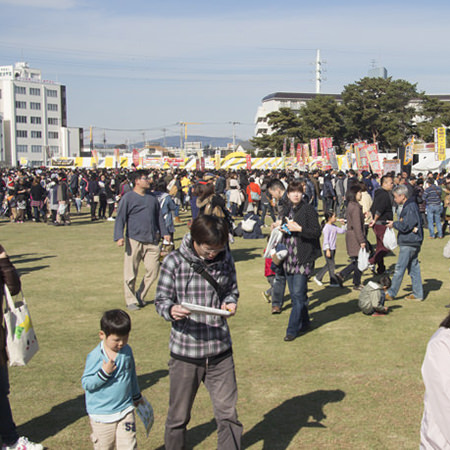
(407, 259)
(299, 318)
(278, 287)
(8, 430)
(434, 217)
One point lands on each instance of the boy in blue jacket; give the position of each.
(111, 385)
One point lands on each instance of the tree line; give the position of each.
(384, 111)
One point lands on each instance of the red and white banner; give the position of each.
(314, 148)
(292, 148)
(305, 153)
(299, 152)
(374, 160)
(135, 157)
(391, 165)
(249, 162)
(362, 161)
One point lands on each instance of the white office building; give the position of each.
(34, 118)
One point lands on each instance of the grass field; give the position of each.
(354, 382)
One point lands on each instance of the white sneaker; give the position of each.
(317, 281)
(110, 219)
(23, 444)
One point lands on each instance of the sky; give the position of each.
(135, 68)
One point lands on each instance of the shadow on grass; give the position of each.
(28, 257)
(245, 254)
(334, 312)
(282, 423)
(68, 412)
(195, 436)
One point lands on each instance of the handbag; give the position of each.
(363, 260)
(21, 341)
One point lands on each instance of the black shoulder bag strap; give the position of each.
(201, 270)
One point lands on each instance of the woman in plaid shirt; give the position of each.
(200, 344)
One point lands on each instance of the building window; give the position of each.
(52, 107)
(21, 105)
(52, 121)
(20, 90)
(54, 149)
(53, 135)
(36, 149)
(21, 133)
(35, 120)
(52, 93)
(22, 148)
(35, 106)
(21, 119)
(36, 134)
(35, 91)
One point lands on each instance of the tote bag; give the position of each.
(389, 239)
(21, 341)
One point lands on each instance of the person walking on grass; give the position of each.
(330, 232)
(140, 213)
(8, 431)
(410, 238)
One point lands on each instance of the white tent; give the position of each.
(430, 165)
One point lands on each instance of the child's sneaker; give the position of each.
(317, 281)
(266, 296)
(23, 444)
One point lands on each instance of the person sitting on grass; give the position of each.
(111, 385)
(372, 297)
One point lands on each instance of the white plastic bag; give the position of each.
(275, 238)
(389, 239)
(363, 259)
(247, 225)
(21, 341)
(446, 251)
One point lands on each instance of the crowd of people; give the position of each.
(145, 206)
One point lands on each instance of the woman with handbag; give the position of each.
(355, 237)
(8, 432)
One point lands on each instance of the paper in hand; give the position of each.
(145, 412)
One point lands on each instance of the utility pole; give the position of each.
(319, 70)
(164, 138)
(234, 133)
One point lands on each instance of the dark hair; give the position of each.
(295, 186)
(326, 217)
(446, 322)
(384, 178)
(275, 184)
(205, 190)
(385, 281)
(351, 193)
(115, 321)
(210, 230)
(138, 174)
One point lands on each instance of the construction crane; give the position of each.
(185, 124)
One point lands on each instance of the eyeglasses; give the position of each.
(211, 251)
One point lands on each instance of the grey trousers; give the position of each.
(220, 380)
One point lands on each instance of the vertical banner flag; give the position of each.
(328, 144)
(305, 153)
(202, 164)
(249, 161)
(349, 155)
(95, 156)
(408, 157)
(322, 147)
(91, 139)
(441, 141)
(299, 152)
(332, 158)
(361, 156)
(314, 148)
(374, 160)
(217, 160)
(292, 148)
(284, 146)
(135, 156)
(391, 165)
(117, 157)
(197, 164)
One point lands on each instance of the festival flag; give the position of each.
(374, 160)
(117, 157)
(299, 152)
(292, 148)
(314, 148)
(441, 141)
(349, 155)
(361, 157)
(217, 160)
(91, 139)
(305, 153)
(408, 157)
(135, 157)
(284, 146)
(249, 161)
(322, 147)
(331, 152)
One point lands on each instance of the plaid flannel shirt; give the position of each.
(199, 335)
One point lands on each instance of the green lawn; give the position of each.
(353, 382)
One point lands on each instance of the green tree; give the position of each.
(286, 124)
(379, 110)
(432, 113)
(322, 117)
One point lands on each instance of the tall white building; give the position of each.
(34, 117)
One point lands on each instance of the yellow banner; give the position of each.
(441, 141)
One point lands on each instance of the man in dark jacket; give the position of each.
(381, 212)
(410, 238)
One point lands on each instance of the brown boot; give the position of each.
(177, 220)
